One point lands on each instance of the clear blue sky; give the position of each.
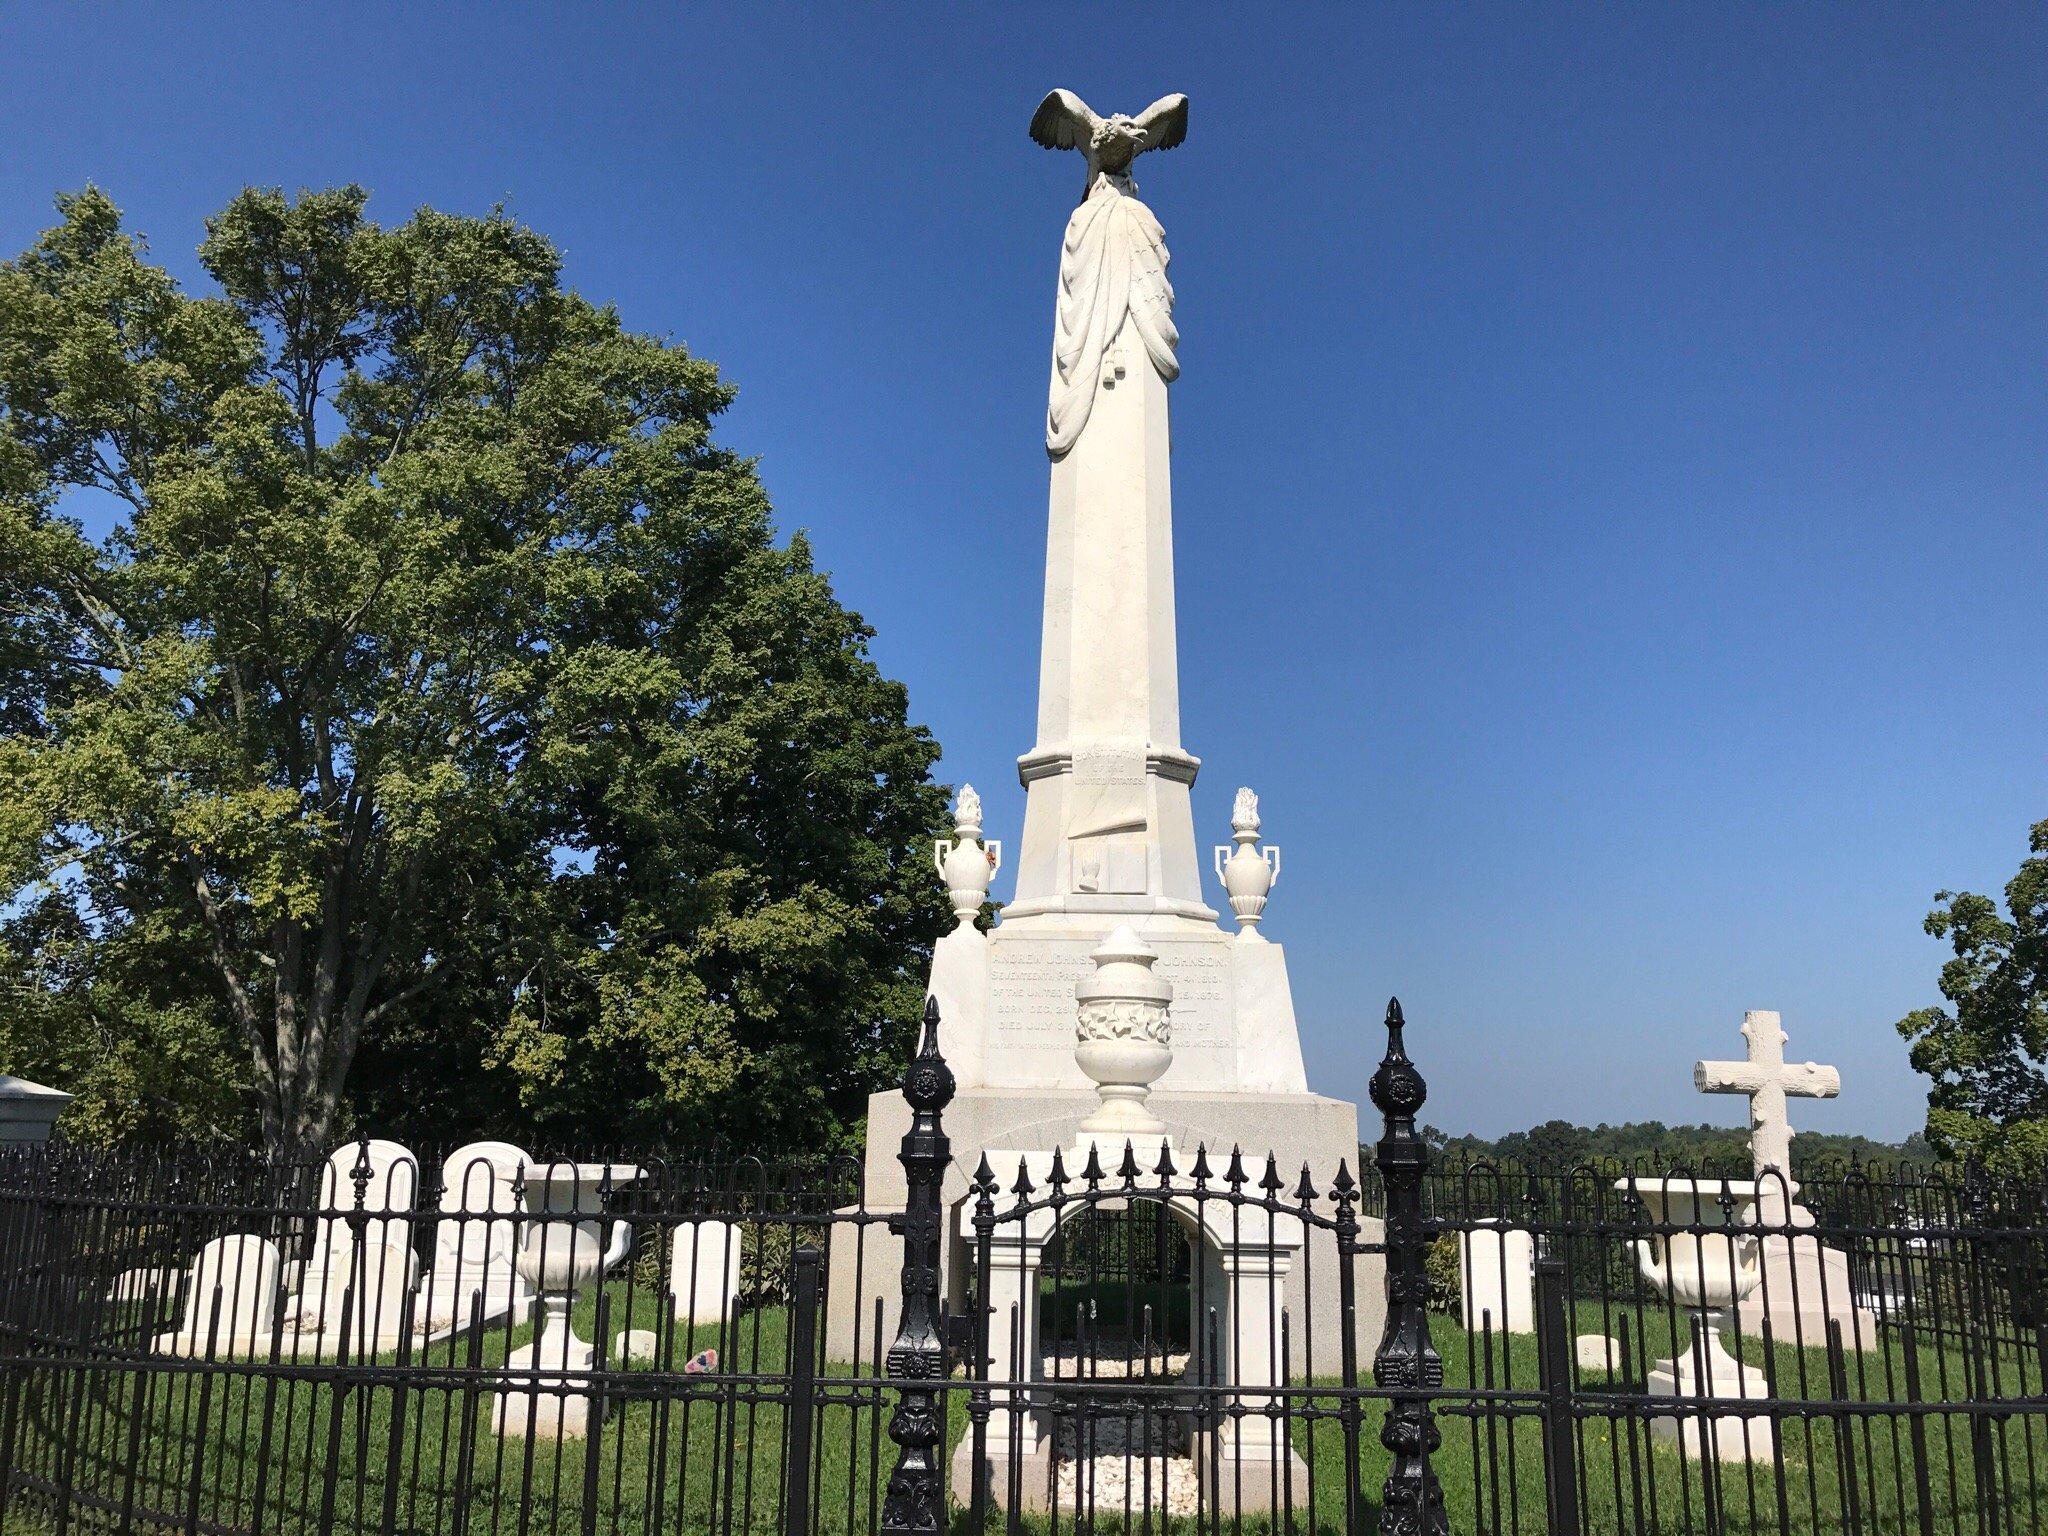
(1610, 451)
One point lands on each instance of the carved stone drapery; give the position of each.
(1112, 271)
(1113, 261)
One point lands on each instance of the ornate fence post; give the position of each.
(1407, 1365)
(1554, 1378)
(803, 1391)
(913, 1505)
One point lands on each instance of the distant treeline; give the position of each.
(1557, 1142)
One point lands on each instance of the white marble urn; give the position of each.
(1248, 872)
(965, 862)
(1707, 1271)
(1708, 1267)
(563, 1246)
(1123, 1034)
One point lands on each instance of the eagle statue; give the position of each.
(1113, 260)
(1064, 121)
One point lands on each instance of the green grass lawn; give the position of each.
(711, 1458)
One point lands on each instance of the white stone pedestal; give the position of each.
(549, 1396)
(28, 1110)
(1805, 1287)
(1704, 1432)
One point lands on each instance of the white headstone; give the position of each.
(1497, 1271)
(390, 1190)
(704, 1271)
(370, 1278)
(635, 1346)
(134, 1287)
(238, 1274)
(365, 1291)
(1597, 1352)
(476, 1239)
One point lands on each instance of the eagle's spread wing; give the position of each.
(1064, 121)
(1164, 123)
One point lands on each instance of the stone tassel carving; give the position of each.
(1248, 872)
(1123, 1038)
(965, 862)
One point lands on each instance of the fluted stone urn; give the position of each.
(1248, 872)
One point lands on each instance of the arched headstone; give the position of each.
(239, 1273)
(704, 1271)
(364, 1283)
(390, 1193)
(476, 1238)
(1497, 1275)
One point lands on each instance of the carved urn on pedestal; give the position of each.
(1248, 872)
(1123, 1034)
(965, 862)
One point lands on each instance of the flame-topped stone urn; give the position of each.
(1123, 1034)
(1248, 872)
(965, 862)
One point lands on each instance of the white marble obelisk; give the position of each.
(1107, 824)
(1108, 844)
(1109, 838)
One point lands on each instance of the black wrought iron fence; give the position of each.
(1166, 1336)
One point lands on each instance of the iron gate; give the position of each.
(1196, 1386)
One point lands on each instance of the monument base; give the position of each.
(1702, 1433)
(1235, 1482)
(1006, 1002)
(1023, 1482)
(1805, 1287)
(1230, 1484)
(1297, 1129)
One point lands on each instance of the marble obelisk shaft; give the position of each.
(1107, 822)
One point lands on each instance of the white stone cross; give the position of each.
(1769, 1080)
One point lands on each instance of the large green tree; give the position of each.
(1987, 1051)
(441, 702)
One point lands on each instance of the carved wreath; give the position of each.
(1124, 1018)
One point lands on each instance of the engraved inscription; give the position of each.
(1031, 992)
(1109, 765)
(1032, 1003)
